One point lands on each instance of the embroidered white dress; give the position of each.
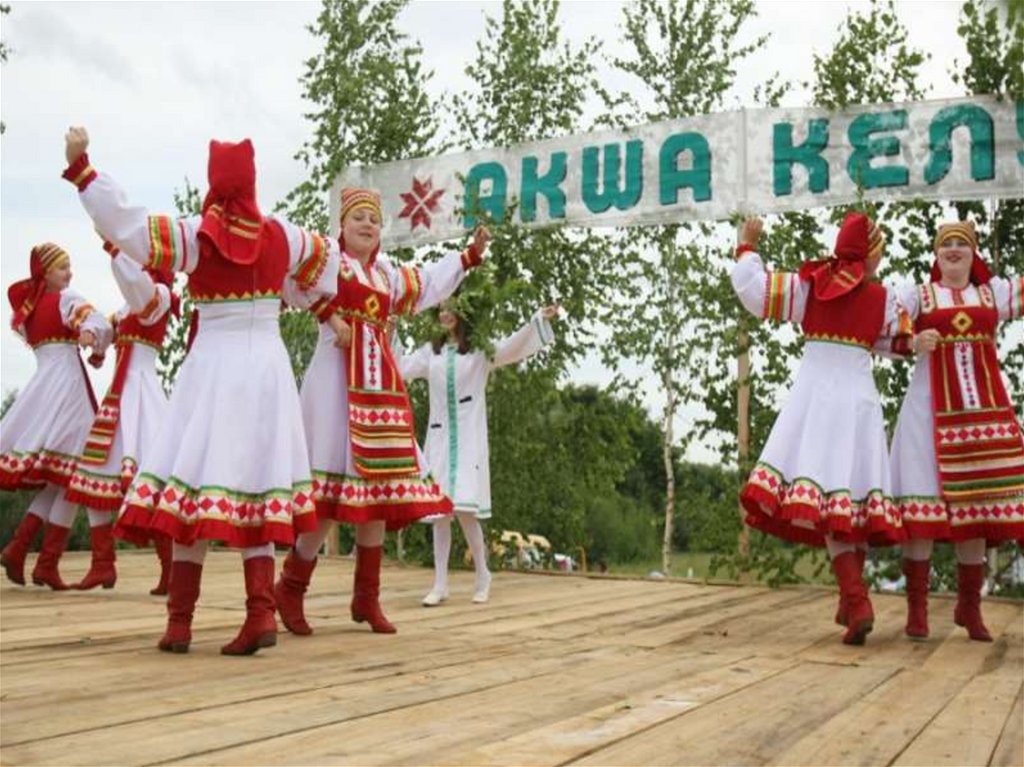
(230, 460)
(141, 405)
(342, 492)
(44, 430)
(915, 468)
(824, 470)
(457, 446)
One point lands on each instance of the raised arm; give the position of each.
(415, 365)
(778, 296)
(146, 299)
(1009, 295)
(527, 341)
(162, 242)
(416, 288)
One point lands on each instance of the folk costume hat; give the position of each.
(859, 239)
(962, 230)
(232, 222)
(353, 198)
(25, 294)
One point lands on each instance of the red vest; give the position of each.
(217, 279)
(855, 318)
(45, 325)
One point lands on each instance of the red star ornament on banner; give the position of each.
(420, 203)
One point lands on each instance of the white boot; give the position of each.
(435, 597)
(483, 589)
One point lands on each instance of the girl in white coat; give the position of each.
(456, 446)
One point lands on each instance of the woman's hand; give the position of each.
(750, 232)
(342, 331)
(926, 340)
(76, 143)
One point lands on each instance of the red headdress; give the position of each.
(859, 239)
(353, 198)
(232, 222)
(25, 294)
(963, 230)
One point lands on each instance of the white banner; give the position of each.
(708, 167)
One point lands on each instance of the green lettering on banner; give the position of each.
(940, 141)
(671, 178)
(493, 203)
(808, 154)
(548, 185)
(599, 198)
(866, 148)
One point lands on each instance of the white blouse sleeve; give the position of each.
(525, 342)
(313, 263)
(1009, 295)
(779, 296)
(146, 299)
(78, 315)
(415, 288)
(415, 365)
(162, 242)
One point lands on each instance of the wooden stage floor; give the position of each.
(555, 670)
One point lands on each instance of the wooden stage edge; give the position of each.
(553, 671)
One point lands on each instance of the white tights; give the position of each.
(835, 548)
(970, 552)
(368, 534)
(50, 506)
(196, 553)
(443, 545)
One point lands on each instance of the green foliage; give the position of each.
(684, 55)
(369, 103)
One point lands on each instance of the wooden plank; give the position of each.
(349, 708)
(967, 731)
(424, 733)
(751, 726)
(576, 736)
(1009, 751)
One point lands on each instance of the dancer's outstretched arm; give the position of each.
(159, 241)
(771, 295)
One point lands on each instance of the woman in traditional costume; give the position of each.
(823, 477)
(43, 432)
(129, 418)
(456, 446)
(229, 463)
(367, 468)
(957, 454)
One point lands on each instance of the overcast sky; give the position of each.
(153, 82)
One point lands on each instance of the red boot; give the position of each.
(181, 604)
(13, 556)
(918, 578)
(45, 573)
(102, 571)
(860, 617)
(290, 590)
(260, 627)
(968, 601)
(164, 549)
(366, 592)
(841, 612)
